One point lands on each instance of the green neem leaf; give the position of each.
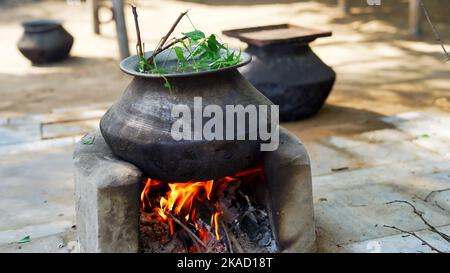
(87, 140)
(213, 44)
(25, 239)
(167, 84)
(180, 54)
(195, 35)
(143, 65)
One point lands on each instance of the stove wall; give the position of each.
(106, 198)
(107, 194)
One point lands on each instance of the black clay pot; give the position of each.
(45, 41)
(138, 126)
(291, 76)
(285, 69)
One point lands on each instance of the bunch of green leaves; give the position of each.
(144, 66)
(195, 52)
(204, 52)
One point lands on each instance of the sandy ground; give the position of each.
(380, 69)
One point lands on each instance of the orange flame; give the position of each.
(149, 184)
(181, 198)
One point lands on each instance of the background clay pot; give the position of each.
(291, 76)
(285, 69)
(137, 127)
(45, 41)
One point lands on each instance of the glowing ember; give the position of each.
(179, 201)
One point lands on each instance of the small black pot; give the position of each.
(45, 41)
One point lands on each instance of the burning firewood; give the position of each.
(205, 216)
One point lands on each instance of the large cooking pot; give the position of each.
(138, 126)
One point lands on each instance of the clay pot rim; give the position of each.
(40, 25)
(128, 65)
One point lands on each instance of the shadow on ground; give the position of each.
(336, 120)
(73, 82)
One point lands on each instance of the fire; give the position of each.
(149, 184)
(181, 198)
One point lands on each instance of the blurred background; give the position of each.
(370, 46)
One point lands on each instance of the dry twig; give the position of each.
(138, 32)
(233, 241)
(195, 237)
(436, 33)
(169, 45)
(415, 235)
(164, 39)
(227, 236)
(420, 214)
(434, 192)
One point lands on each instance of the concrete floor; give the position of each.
(382, 136)
(354, 179)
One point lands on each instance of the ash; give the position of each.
(244, 228)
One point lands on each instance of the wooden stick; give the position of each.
(415, 235)
(138, 32)
(164, 39)
(195, 237)
(167, 46)
(228, 236)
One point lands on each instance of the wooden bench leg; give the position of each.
(344, 6)
(415, 18)
(95, 17)
(121, 29)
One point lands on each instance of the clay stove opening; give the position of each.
(225, 215)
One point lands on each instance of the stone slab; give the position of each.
(63, 242)
(36, 193)
(37, 146)
(19, 134)
(65, 129)
(327, 159)
(429, 129)
(400, 243)
(351, 206)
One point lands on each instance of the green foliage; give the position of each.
(195, 35)
(87, 140)
(143, 65)
(25, 239)
(167, 84)
(180, 53)
(195, 52)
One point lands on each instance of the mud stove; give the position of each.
(139, 190)
(267, 208)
